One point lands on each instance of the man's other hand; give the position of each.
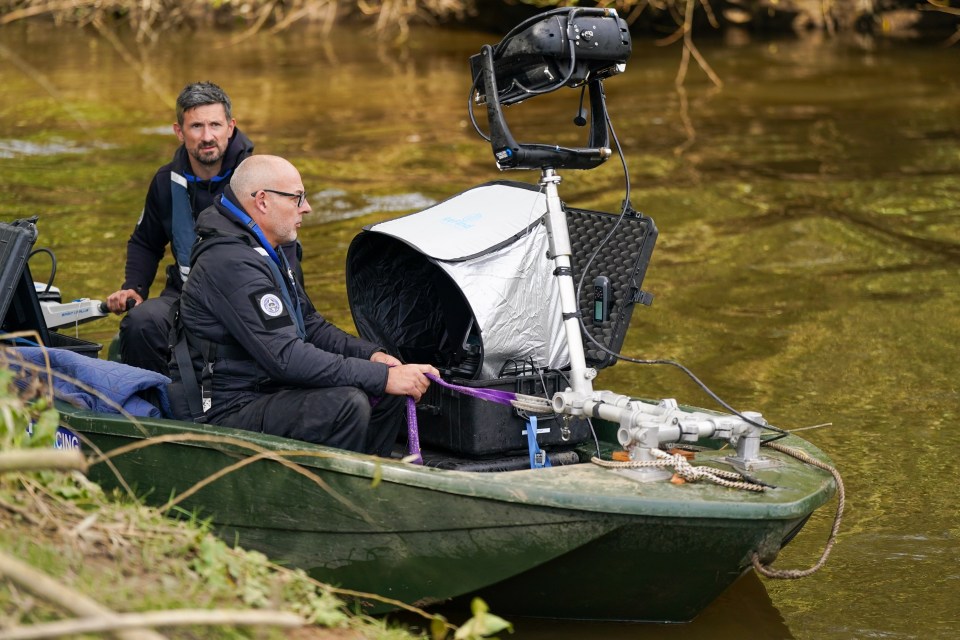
(385, 358)
(118, 300)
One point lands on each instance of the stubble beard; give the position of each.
(290, 234)
(207, 156)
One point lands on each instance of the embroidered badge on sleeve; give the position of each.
(270, 309)
(271, 305)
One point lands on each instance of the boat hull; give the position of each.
(418, 545)
(579, 541)
(650, 569)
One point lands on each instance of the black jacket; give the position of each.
(154, 230)
(233, 299)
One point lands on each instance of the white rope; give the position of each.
(532, 404)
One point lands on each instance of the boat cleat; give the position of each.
(747, 441)
(639, 441)
(644, 474)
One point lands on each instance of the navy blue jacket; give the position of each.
(154, 230)
(233, 299)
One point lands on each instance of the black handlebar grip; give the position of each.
(131, 303)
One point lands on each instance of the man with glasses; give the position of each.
(253, 353)
(210, 149)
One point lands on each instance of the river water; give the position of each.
(807, 265)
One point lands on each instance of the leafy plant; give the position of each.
(483, 624)
(24, 424)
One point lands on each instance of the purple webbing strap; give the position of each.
(413, 430)
(491, 395)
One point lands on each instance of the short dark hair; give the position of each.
(198, 94)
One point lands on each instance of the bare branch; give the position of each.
(176, 618)
(42, 585)
(42, 459)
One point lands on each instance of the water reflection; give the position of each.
(18, 148)
(745, 610)
(336, 204)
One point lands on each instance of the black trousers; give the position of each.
(144, 334)
(338, 417)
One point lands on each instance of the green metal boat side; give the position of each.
(800, 488)
(401, 541)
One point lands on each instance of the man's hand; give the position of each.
(385, 358)
(409, 379)
(117, 301)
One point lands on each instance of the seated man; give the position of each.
(254, 353)
(211, 147)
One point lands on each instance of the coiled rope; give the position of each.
(532, 404)
(685, 470)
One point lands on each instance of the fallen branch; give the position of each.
(20, 511)
(176, 618)
(42, 460)
(276, 456)
(399, 604)
(50, 7)
(42, 585)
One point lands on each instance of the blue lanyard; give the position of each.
(242, 216)
(279, 261)
(192, 178)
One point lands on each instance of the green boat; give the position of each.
(570, 502)
(527, 541)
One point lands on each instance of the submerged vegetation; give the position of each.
(670, 19)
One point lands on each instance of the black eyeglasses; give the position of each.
(301, 197)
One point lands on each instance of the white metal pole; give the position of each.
(560, 248)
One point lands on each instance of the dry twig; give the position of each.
(277, 456)
(42, 585)
(180, 617)
(42, 459)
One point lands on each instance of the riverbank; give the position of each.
(75, 561)
(71, 558)
(391, 19)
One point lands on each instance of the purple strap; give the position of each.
(491, 395)
(413, 430)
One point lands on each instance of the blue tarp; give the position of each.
(104, 383)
